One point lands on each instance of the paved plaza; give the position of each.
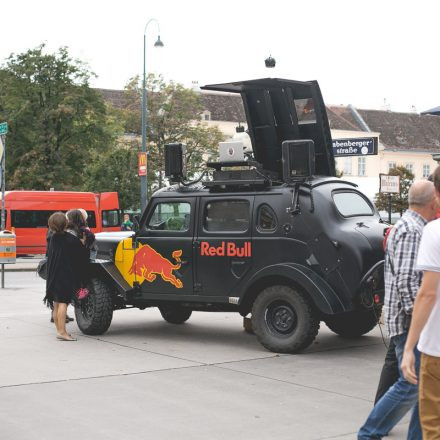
(145, 378)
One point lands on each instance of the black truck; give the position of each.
(277, 235)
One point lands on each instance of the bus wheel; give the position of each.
(95, 312)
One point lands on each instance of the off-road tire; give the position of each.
(354, 324)
(284, 320)
(94, 313)
(175, 314)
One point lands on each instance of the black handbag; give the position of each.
(42, 268)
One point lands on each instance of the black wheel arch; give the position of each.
(322, 295)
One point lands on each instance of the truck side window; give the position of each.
(266, 219)
(170, 216)
(350, 203)
(226, 215)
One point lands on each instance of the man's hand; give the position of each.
(408, 366)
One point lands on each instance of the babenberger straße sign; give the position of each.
(355, 146)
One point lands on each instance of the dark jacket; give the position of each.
(67, 264)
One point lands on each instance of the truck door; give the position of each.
(223, 247)
(163, 263)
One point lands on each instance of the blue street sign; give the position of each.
(3, 128)
(355, 147)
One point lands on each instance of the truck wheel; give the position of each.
(354, 324)
(95, 312)
(175, 314)
(283, 320)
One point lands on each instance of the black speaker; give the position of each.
(175, 162)
(298, 159)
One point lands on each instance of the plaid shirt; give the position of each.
(402, 280)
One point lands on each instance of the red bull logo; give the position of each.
(148, 263)
(226, 249)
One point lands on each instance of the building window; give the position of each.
(347, 166)
(361, 166)
(426, 170)
(391, 165)
(410, 167)
(206, 115)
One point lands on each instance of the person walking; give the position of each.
(402, 281)
(67, 260)
(426, 326)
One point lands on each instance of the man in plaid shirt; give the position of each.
(402, 282)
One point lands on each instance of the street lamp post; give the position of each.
(144, 179)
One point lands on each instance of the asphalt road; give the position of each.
(145, 378)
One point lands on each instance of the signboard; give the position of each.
(142, 163)
(2, 147)
(355, 146)
(3, 128)
(389, 184)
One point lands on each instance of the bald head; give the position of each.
(421, 193)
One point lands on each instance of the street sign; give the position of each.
(355, 146)
(142, 163)
(389, 184)
(2, 147)
(3, 128)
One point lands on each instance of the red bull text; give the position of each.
(226, 249)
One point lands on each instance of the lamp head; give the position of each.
(269, 62)
(158, 43)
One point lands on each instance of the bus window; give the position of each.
(110, 218)
(39, 218)
(91, 219)
(30, 219)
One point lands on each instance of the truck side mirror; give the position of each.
(136, 221)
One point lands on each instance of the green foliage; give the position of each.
(116, 170)
(173, 116)
(57, 122)
(399, 202)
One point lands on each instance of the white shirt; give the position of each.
(429, 260)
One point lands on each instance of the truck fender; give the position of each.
(112, 274)
(315, 287)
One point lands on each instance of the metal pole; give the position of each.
(144, 179)
(389, 208)
(3, 222)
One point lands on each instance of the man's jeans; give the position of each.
(395, 403)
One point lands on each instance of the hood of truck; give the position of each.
(278, 110)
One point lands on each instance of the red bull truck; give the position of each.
(276, 237)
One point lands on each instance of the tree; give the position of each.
(116, 170)
(173, 116)
(57, 122)
(399, 202)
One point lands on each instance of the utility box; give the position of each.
(8, 247)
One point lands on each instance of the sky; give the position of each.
(371, 54)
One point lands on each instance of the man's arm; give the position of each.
(423, 306)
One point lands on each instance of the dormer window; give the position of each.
(206, 115)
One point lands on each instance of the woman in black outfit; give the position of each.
(67, 260)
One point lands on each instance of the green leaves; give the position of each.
(57, 121)
(399, 202)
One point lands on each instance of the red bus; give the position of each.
(27, 213)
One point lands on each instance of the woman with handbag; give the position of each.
(67, 261)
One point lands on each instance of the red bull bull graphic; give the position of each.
(145, 264)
